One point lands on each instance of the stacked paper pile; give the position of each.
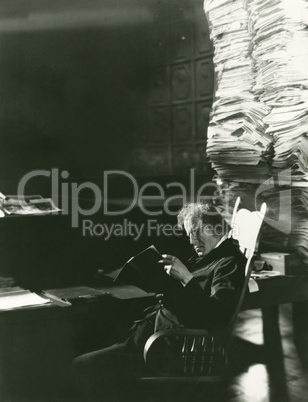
(288, 208)
(288, 232)
(280, 53)
(260, 111)
(238, 146)
(299, 240)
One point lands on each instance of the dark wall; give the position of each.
(90, 85)
(65, 88)
(59, 95)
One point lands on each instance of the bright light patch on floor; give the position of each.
(252, 383)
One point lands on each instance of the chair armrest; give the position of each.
(170, 332)
(186, 352)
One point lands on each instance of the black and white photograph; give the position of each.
(153, 200)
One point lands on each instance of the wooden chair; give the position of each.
(199, 356)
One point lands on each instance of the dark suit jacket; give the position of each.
(210, 298)
(207, 301)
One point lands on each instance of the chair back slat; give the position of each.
(245, 228)
(185, 354)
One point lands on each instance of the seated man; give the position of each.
(206, 294)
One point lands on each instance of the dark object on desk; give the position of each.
(260, 265)
(144, 272)
(56, 300)
(285, 263)
(75, 294)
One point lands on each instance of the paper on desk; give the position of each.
(28, 205)
(265, 274)
(252, 285)
(20, 298)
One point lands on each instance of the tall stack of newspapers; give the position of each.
(259, 119)
(280, 54)
(238, 146)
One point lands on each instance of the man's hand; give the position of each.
(176, 269)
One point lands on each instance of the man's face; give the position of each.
(200, 236)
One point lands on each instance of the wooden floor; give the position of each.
(285, 376)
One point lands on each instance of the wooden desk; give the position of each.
(277, 290)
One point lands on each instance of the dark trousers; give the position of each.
(107, 375)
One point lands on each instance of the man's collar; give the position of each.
(221, 240)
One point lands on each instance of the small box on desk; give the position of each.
(285, 263)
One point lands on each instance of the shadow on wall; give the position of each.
(24, 149)
(67, 99)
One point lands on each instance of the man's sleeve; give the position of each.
(198, 310)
